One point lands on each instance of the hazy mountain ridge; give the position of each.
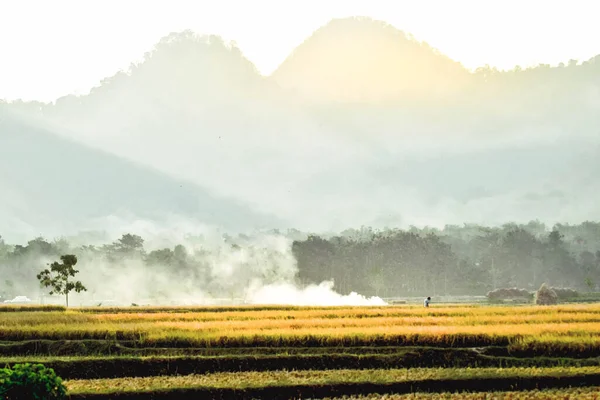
(444, 145)
(52, 184)
(359, 59)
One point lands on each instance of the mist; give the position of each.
(173, 266)
(362, 125)
(341, 144)
(176, 265)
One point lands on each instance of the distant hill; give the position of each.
(185, 75)
(50, 183)
(363, 60)
(196, 108)
(361, 124)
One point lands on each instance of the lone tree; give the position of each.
(57, 277)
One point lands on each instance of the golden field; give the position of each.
(568, 324)
(240, 352)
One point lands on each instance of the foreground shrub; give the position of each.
(508, 293)
(545, 296)
(30, 382)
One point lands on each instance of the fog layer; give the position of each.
(361, 125)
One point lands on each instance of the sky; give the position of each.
(53, 48)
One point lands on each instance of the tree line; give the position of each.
(456, 260)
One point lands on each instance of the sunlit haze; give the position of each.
(53, 48)
(299, 152)
(299, 198)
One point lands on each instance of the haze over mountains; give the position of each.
(362, 124)
(49, 181)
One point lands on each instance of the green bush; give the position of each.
(30, 382)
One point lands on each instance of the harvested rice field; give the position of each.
(389, 352)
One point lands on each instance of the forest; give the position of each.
(456, 260)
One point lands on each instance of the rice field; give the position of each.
(316, 352)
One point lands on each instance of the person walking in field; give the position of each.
(426, 302)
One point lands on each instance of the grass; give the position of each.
(244, 380)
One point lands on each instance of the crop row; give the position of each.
(82, 348)
(117, 367)
(256, 379)
(576, 321)
(207, 309)
(544, 346)
(190, 335)
(282, 312)
(199, 338)
(550, 346)
(282, 321)
(390, 346)
(288, 384)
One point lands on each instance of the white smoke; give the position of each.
(257, 268)
(312, 295)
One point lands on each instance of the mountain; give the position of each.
(364, 60)
(195, 108)
(370, 80)
(51, 184)
(362, 124)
